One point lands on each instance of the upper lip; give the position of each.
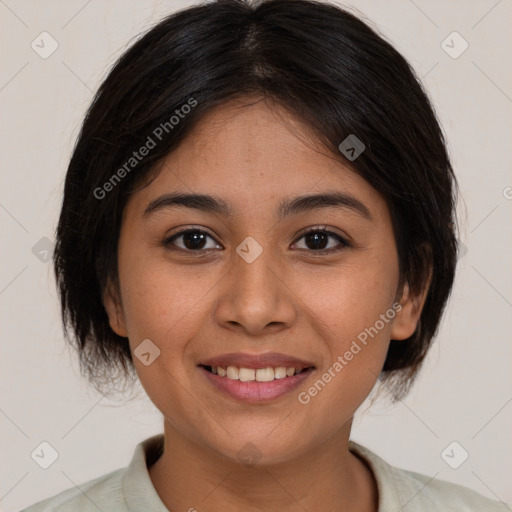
(268, 359)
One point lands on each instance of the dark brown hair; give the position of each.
(323, 64)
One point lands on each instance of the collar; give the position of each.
(141, 494)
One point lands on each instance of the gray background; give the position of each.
(464, 393)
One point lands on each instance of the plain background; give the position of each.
(464, 392)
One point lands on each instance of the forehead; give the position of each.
(245, 141)
(255, 153)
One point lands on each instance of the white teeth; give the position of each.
(246, 374)
(280, 372)
(267, 374)
(264, 374)
(232, 372)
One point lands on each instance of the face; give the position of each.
(262, 278)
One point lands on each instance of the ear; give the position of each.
(114, 308)
(407, 318)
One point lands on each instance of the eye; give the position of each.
(193, 240)
(317, 240)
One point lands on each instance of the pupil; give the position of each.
(316, 237)
(196, 238)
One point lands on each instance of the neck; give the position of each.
(188, 477)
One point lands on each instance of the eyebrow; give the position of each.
(287, 207)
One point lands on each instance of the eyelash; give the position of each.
(169, 241)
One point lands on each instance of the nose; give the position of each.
(255, 297)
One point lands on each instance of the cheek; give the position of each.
(164, 305)
(353, 299)
(355, 314)
(159, 299)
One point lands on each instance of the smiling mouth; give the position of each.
(266, 374)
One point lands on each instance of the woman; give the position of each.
(258, 219)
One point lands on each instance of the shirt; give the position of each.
(130, 489)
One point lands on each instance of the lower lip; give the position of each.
(253, 391)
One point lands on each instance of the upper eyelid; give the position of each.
(321, 227)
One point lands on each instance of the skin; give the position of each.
(290, 300)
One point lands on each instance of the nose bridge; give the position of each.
(255, 278)
(254, 282)
(256, 295)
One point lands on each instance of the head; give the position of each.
(249, 108)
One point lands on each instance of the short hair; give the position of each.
(325, 66)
